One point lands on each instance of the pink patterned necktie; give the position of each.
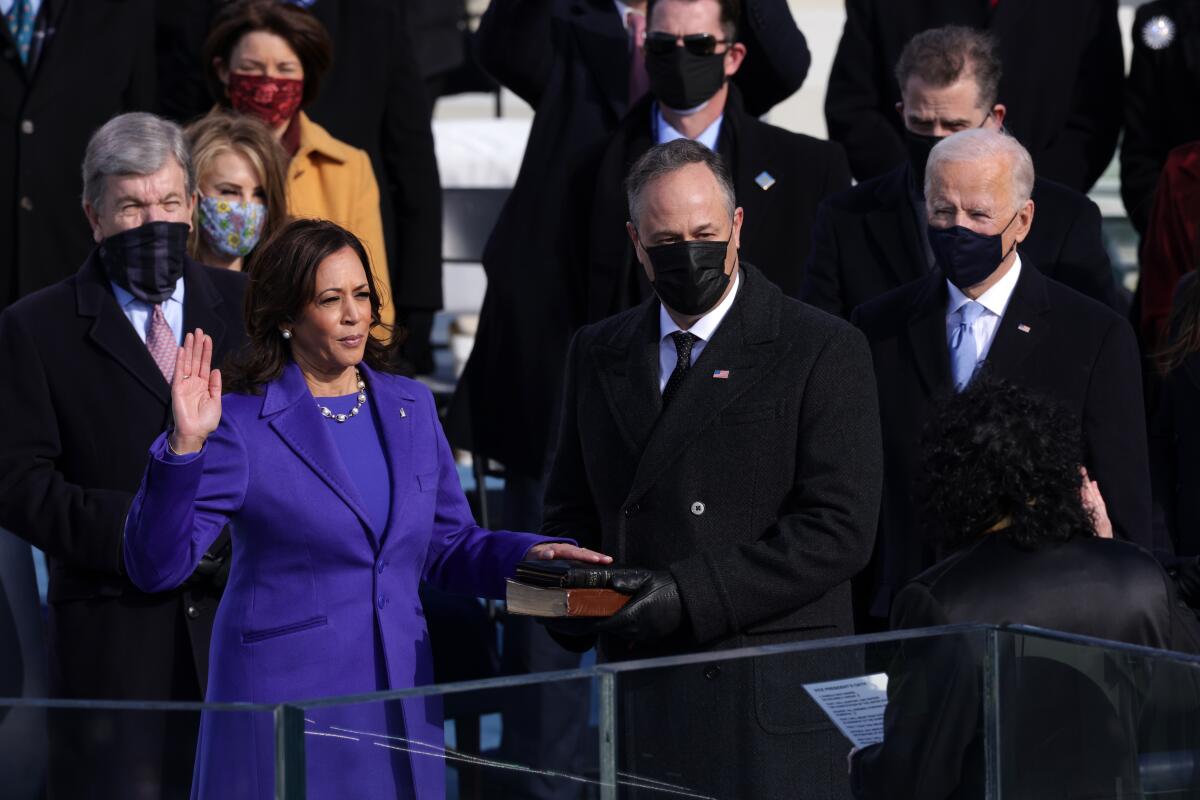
(161, 342)
(639, 80)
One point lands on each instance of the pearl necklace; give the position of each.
(362, 398)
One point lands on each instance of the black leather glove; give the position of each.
(655, 610)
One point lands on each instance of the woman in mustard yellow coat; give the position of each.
(267, 59)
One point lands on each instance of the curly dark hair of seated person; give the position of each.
(1001, 459)
(282, 283)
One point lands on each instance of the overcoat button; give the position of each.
(697, 508)
(26, 126)
(192, 612)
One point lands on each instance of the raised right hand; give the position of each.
(195, 394)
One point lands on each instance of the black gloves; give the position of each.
(654, 612)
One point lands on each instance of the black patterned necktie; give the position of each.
(683, 347)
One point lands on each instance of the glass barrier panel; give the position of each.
(1080, 718)
(131, 751)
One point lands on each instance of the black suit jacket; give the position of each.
(775, 233)
(758, 492)
(1063, 71)
(569, 59)
(92, 400)
(933, 741)
(867, 242)
(1074, 351)
(1162, 103)
(47, 114)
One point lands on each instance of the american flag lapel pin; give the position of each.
(1023, 328)
(721, 374)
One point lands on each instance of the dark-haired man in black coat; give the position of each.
(987, 305)
(85, 365)
(725, 438)
(1063, 71)
(871, 238)
(780, 176)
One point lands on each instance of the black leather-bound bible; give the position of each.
(562, 574)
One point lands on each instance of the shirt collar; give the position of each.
(623, 10)
(707, 325)
(664, 132)
(125, 297)
(994, 299)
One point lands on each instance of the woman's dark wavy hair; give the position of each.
(999, 455)
(282, 283)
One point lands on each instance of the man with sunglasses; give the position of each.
(692, 52)
(871, 239)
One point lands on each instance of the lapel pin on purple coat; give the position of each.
(403, 413)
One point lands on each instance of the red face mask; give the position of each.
(273, 100)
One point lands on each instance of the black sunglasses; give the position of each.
(661, 43)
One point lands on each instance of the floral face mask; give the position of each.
(231, 227)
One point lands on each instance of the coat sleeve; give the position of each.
(412, 181)
(515, 42)
(569, 506)
(1143, 150)
(933, 710)
(1083, 149)
(463, 557)
(1114, 432)
(77, 525)
(822, 273)
(182, 506)
(826, 528)
(1083, 262)
(854, 102)
(777, 56)
(367, 224)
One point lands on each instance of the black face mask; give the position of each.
(919, 145)
(146, 261)
(682, 80)
(689, 277)
(965, 257)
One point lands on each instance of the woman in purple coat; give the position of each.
(342, 496)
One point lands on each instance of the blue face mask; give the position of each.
(231, 227)
(965, 257)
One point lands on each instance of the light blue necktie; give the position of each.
(964, 353)
(20, 19)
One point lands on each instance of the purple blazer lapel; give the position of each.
(395, 406)
(297, 421)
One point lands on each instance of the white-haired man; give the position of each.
(86, 365)
(986, 307)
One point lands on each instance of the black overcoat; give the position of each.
(1162, 101)
(1052, 340)
(758, 492)
(779, 178)
(97, 61)
(1063, 71)
(85, 400)
(867, 242)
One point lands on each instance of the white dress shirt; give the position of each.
(5, 5)
(704, 329)
(138, 311)
(994, 300)
(664, 132)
